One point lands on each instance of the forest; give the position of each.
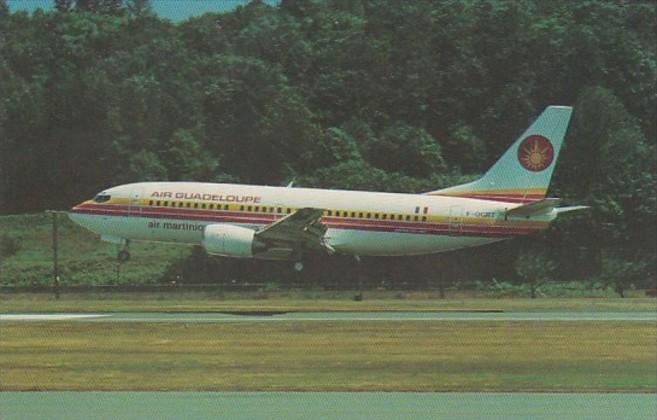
(352, 94)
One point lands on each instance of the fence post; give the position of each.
(55, 252)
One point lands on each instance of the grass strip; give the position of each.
(301, 301)
(330, 356)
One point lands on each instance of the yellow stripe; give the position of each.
(393, 217)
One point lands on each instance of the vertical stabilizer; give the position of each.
(524, 171)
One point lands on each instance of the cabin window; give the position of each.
(165, 204)
(180, 204)
(195, 205)
(225, 206)
(257, 208)
(400, 217)
(384, 216)
(102, 198)
(376, 215)
(329, 212)
(424, 218)
(212, 207)
(241, 208)
(279, 210)
(188, 205)
(288, 211)
(416, 218)
(157, 203)
(203, 205)
(150, 203)
(360, 214)
(369, 215)
(271, 209)
(353, 214)
(408, 218)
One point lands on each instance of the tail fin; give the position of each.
(523, 172)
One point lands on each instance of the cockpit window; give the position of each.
(101, 198)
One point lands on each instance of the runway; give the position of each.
(332, 316)
(324, 405)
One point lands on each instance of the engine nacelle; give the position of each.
(230, 241)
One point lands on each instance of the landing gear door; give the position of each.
(134, 201)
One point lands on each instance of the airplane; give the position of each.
(288, 223)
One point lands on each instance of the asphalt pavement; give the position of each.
(333, 316)
(325, 405)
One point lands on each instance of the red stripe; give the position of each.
(332, 222)
(501, 199)
(505, 197)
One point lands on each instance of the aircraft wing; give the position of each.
(303, 226)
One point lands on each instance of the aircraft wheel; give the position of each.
(123, 255)
(298, 266)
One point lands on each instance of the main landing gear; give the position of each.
(124, 253)
(358, 297)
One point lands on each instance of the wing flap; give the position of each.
(302, 226)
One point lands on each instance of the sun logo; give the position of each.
(535, 153)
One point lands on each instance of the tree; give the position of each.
(63, 6)
(534, 268)
(186, 159)
(335, 146)
(405, 149)
(139, 8)
(622, 273)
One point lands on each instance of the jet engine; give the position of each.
(231, 241)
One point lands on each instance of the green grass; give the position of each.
(330, 356)
(300, 301)
(83, 258)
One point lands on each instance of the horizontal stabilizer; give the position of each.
(537, 207)
(571, 208)
(544, 206)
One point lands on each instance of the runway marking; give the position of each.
(336, 317)
(49, 317)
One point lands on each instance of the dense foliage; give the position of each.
(359, 94)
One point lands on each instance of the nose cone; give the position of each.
(75, 214)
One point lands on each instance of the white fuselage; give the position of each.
(359, 223)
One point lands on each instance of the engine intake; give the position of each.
(231, 241)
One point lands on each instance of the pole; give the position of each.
(55, 254)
